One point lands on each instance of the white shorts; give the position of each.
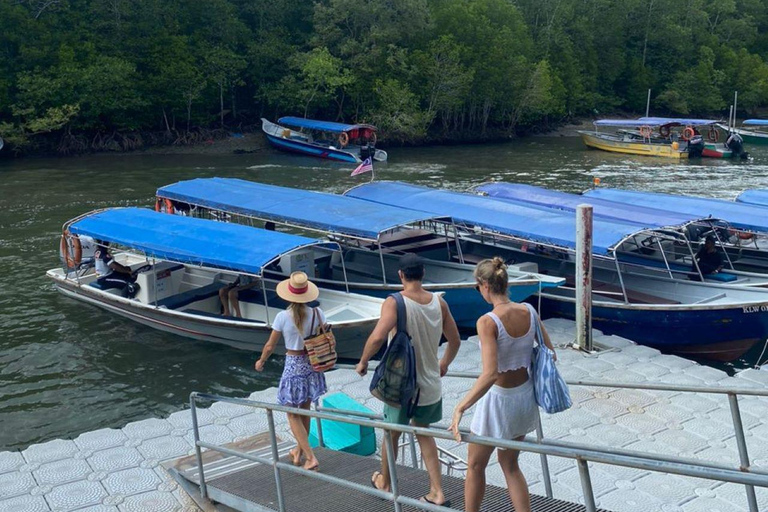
(505, 413)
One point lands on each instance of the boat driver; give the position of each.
(111, 273)
(709, 258)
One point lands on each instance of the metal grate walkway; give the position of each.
(249, 486)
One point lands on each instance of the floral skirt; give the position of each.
(300, 383)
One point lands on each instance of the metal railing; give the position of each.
(583, 454)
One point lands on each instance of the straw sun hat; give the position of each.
(297, 288)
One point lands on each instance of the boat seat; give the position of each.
(723, 277)
(182, 299)
(256, 296)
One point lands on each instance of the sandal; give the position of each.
(446, 503)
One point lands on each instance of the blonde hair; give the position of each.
(494, 272)
(299, 312)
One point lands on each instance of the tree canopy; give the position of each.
(420, 69)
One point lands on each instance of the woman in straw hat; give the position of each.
(300, 384)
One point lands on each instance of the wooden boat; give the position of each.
(700, 319)
(656, 136)
(750, 131)
(183, 262)
(324, 139)
(373, 237)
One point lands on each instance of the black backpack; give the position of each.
(394, 380)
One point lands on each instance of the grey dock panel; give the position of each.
(252, 488)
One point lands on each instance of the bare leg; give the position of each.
(474, 485)
(431, 461)
(518, 487)
(233, 293)
(301, 434)
(224, 301)
(382, 479)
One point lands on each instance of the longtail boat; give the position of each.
(324, 139)
(750, 131)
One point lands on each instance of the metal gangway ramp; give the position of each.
(256, 475)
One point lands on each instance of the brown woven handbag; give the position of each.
(320, 346)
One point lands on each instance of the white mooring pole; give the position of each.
(648, 104)
(584, 277)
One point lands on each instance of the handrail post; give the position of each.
(391, 452)
(275, 460)
(544, 463)
(741, 442)
(586, 485)
(412, 443)
(198, 452)
(319, 423)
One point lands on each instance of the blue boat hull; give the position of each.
(311, 150)
(719, 333)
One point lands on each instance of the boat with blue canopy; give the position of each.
(670, 247)
(373, 236)
(708, 320)
(181, 263)
(756, 197)
(660, 136)
(752, 131)
(351, 143)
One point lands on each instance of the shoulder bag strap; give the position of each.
(535, 319)
(402, 318)
(312, 323)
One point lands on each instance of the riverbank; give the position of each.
(122, 468)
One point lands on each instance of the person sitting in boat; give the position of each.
(300, 384)
(229, 295)
(112, 274)
(709, 259)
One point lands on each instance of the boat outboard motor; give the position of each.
(736, 144)
(695, 146)
(367, 151)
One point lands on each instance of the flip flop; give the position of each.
(446, 503)
(316, 467)
(374, 477)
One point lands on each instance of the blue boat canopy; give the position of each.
(739, 215)
(191, 240)
(654, 121)
(755, 122)
(529, 222)
(601, 208)
(326, 126)
(329, 213)
(758, 196)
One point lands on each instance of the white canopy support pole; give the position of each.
(648, 104)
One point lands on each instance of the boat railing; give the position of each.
(583, 453)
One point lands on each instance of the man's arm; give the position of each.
(451, 332)
(386, 323)
(117, 267)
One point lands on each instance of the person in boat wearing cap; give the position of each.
(709, 259)
(299, 385)
(428, 318)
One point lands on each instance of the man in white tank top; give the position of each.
(428, 318)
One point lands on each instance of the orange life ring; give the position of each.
(70, 249)
(157, 205)
(743, 235)
(688, 133)
(646, 131)
(713, 134)
(664, 130)
(343, 139)
(168, 205)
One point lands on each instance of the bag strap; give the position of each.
(402, 315)
(312, 323)
(537, 323)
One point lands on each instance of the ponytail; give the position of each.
(494, 272)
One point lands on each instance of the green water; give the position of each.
(67, 368)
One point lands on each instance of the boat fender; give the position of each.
(675, 145)
(664, 130)
(713, 135)
(646, 131)
(70, 249)
(343, 139)
(688, 133)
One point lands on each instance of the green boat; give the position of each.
(750, 131)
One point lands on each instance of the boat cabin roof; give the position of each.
(191, 240)
(326, 126)
(328, 213)
(654, 121)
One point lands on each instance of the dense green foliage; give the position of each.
(447, 69)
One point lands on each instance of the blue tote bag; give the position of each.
(549, 388)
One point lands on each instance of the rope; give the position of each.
(757, 364)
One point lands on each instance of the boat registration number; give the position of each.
(760, 308)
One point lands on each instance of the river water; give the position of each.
(67, 368)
